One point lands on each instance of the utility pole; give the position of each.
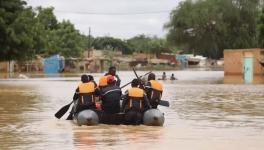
(89, 42)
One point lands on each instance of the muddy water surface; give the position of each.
(204, 115)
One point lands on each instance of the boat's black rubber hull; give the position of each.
(152, 117)
(87, 117)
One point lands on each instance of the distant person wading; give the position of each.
(172, 77)
(164, 77)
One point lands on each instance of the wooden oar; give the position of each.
(162, 102)
(62, 111)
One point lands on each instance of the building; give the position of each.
(243, 66)
(140, 59)
(183, 60)
(168, 56)
(6, 66)
(54, 64)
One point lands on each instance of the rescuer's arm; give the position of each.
(147, 87)
(124, 102)
(118, 82)
(97, 92)
(146, 100)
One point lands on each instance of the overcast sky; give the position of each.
(118, 18)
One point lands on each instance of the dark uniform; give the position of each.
(135, 103)
(154, 92)
(110, 97)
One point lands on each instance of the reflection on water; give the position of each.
(203, 115)
(114, 136)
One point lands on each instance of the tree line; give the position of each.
(204, 27)
(26, 32)
(208, 27)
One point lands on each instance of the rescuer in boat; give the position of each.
(91, 78)
(154, 90)
(97, 97)
(103, 79)
(85, 94)
(110, 96)
(135, 103)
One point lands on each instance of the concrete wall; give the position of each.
(234, 65)
(4, 67)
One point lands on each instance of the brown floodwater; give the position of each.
(204, 115)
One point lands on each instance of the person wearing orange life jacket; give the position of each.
(135, 103)
(85, 94)
(97, 97)
(112, 72)
(103, 82)
(154, 90)
(91, 79)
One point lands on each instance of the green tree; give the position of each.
(16, 30)
(261, 29)
(47, 18)
(143, 43)
(209, 26)
(46, 22)
(110, 43)
(25, 33)
(66, 40)
(53, 37)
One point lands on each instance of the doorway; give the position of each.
(248, 69)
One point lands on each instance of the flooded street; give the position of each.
(204, 115)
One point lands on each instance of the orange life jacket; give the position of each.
(135, 94)
(156, 85)
(103, 81)
(84, 89)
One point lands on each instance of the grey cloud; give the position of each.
(121, 26)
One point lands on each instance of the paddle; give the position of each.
(131, 81)
(70, 117)
(63, 110)
(162, 102)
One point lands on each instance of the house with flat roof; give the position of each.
(244, 66)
